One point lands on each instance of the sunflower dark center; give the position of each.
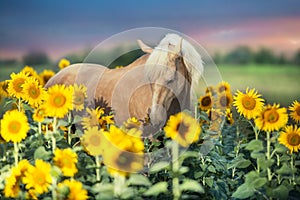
(182, 129)
(124, 160)
(59, 100)
(222, 88)
(271, 116)
(298, 111)
(206, 101)
(14, 127)
(248, 103)
(95, 140)
(294, 139)
(34, 92)
(78, 98)
(224, 101)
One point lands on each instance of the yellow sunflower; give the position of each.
(290, 138)
(12, 182)
(295, 111)
(3, 88)
(38, 177)
(14, 126)
(93, 141)
(34, 93)
(31, 73)
(132, 122)
(229, 117)
(15, 85)
(92, 118)
(39, 114)
(211, 90)
(63, 63)
(66, 160)
(79, 96)
(271, 118)
(46, 75)
(249, 104)
(224, 100)
(59, 101)
(223, 87)
(206, 101)
(183, 128)
(76, 191)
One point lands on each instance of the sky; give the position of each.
(60, 27)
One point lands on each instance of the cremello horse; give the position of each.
(158, 84)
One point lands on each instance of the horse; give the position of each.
(156, 85)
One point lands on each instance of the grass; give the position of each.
(278, 84)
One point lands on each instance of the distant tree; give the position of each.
(296, 59)
(265, 56)
(239, 55)
(217, 58)
(36, 58)
(282, 59)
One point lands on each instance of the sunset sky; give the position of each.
(61, 27)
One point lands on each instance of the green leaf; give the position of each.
(243, 192)
(191, 185)
(259, 182)
(62, 123)
(77, 119)
(159, 166)
(138, 179)
(255, 145)
(280, 148)
(209, 181)
(256, 155)
(211, 169)
(284, 170)
(281, 192)
(239, 162)
(183, 170)
(161, 187)
(41, 153)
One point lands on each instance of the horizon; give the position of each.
(59, 28)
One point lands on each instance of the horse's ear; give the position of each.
(145, 48)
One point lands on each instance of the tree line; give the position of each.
(242, 55)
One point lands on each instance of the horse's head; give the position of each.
(170, 71)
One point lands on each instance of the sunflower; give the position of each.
(14, 126)
(12, 182)
(206, 101)
(59, 101)
(229, 117)
(15, 85)
(31, 73)
(106, 120)
(182, 128)
(132, 122)
(93, 141)
(211, 90)
(66, 160)
(91, 119)
(38, 177)
(224, 100)
(290, 138)
(123, 162)
(249, 104)
(223, 87)
(272, 118)
(39, 114)
(295, 111)
(46, 75)
(79, 97)
(3, 88)
(33, 92)
(63, 63)
(75, 190)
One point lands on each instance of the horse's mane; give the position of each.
(192, 59)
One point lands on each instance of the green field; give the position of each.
(277, 83)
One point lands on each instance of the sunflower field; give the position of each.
(232, 146)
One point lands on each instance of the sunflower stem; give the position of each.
(292, 167)
(269, 155)
(69, 128)
(98, 165)
(175, 169)
(19, 104)
(119, 183)
(16, 153)
(54, 132)
(54, 193)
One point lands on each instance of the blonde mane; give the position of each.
(192, 59)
